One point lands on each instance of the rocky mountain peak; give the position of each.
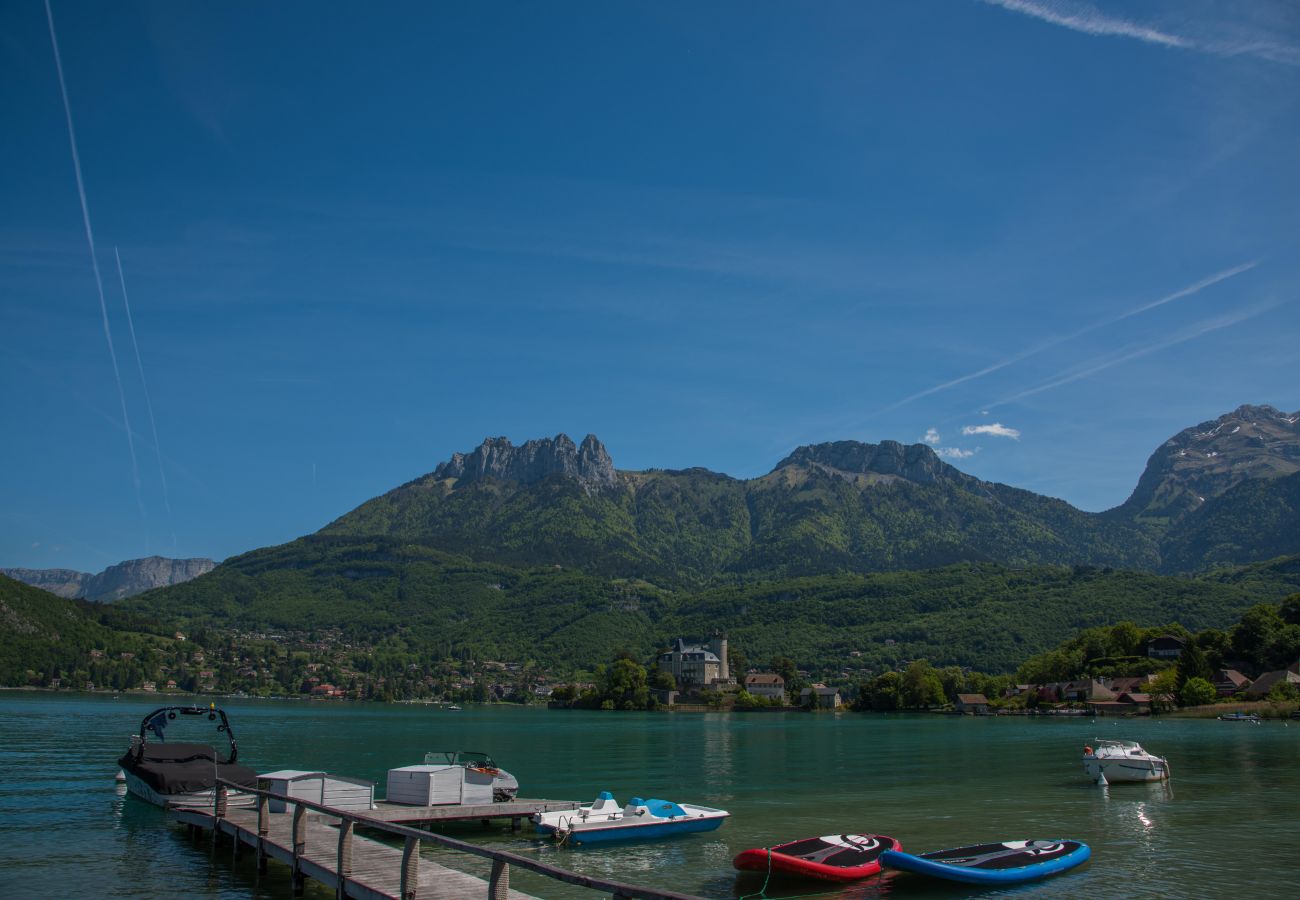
(914, 462)
(1204, 461)
(588, 463)
(126, 579)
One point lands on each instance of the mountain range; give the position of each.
(546, 551)
(126, 579)
(1220, 493)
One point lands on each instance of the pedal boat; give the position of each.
(605, 820)
(1122, 761)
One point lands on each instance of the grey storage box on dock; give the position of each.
(335, 791)
(437, 786)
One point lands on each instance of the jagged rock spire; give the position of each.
(589, 464)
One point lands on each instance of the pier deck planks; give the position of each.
(510, 809)
(376, 867)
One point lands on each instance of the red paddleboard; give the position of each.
(834, 857)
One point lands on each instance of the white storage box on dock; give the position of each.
(433, 786)
(335, 791)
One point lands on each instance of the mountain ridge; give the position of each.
(825, 507)
(124, 579)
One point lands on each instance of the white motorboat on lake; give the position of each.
(605, 820)
(1112, 761)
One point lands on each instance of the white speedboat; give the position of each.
(1113, 761)
(183, 774)
(504, 785)
(605, 820)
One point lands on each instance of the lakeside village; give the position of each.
(1111, 670)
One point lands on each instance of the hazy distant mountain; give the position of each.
(126, 579)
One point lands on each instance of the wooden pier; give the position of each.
(514, 810)
(319, 842)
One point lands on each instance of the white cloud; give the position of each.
(931, 436)
(997, 429)
(957, 452)
(1088, 19)
(1232, 38)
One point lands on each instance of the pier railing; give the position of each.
(498, 882)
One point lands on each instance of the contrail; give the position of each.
(162, 474)
(94, 262)
(1099, 364)
(1057, 341)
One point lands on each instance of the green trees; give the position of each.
(1191, 666)
(1196, 692)
(921, 687)
(1266, 636)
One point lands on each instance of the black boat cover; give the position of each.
(183, 768)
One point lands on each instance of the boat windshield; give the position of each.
(181, 724)
(470, 758)
(1125, 746)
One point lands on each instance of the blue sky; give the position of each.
(358, 237)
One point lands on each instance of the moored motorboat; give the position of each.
(832, 857)
(1008, 862)
(1112, 761)
(183, 774)
(605, 820)
(504, 785)
(1249, 718)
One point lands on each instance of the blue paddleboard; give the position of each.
(1005, 863)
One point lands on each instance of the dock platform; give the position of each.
(515, 810)
(376, 868)
(319, 842)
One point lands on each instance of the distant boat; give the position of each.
(605, 821)
(455, 707)
(1251, 718)
(1114, 761)
(1006, 863)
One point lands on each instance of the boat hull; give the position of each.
(1121, 770)
(992, 865)
(192, 800)
(581, 833)
(839, 858)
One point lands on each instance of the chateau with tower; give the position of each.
(698, 665)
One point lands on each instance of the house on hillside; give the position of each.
(766, 684)
(974, 704)
(1229, 681)
(1125, 704)
(1128, 683)
(1266, 682)
(1088, 690)
(1167, 646)
(821, 696)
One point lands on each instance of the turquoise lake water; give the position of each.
(1227, 825)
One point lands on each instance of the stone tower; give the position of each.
(718, 644)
